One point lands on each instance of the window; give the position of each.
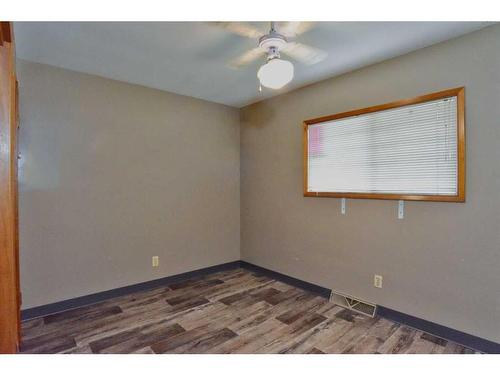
(413, 149)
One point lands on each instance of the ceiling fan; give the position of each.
(276, 72)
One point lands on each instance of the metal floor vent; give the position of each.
(352, 303)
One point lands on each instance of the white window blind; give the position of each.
(406, 150)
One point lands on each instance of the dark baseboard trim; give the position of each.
(313, 288)
(465, 339)
(459, 337)
(435, 329)
(90, 299)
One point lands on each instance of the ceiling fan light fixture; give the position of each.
(276, 73)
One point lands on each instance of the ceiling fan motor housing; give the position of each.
(272, 42)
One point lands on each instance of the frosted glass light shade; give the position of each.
(275, 74)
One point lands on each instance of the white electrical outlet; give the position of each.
(342, 206)
(377, 281)
(155, 261)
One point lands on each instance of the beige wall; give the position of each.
(112, 174)
(442, 262)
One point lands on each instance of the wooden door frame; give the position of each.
(9, 260)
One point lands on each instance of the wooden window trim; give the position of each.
(459, 197)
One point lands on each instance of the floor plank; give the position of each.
(234, 311)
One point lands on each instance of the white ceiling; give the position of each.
(190, 58)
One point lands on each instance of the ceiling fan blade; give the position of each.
(304, 53)
(291, 29)
(247, 57)
(240, 28)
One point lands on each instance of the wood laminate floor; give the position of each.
(233, 311)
